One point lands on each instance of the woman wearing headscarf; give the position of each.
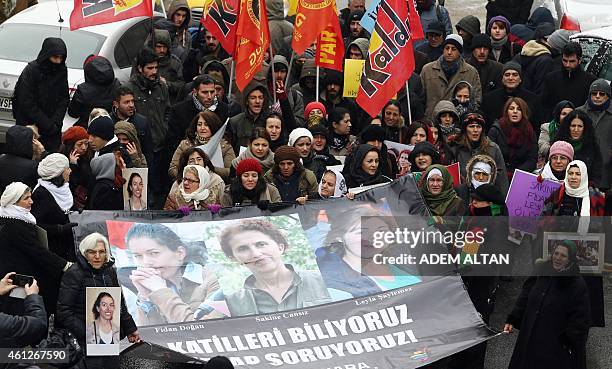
(481, 170)
(548, 131)
(106, 193)
(514, 135)
(362, 167)
(25, 252)
(195, 191)
(249, 186)
(52, 203)
(423, 155)
(128, 136)
(576, 200)
(436, 186)
(552, 314)
(293, 181)
(302, 140)
(93, 268)
(463, 97)
(473, 141)
(577, 129)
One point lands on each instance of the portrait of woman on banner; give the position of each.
(273, 285)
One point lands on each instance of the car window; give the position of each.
(22, 42)
(597, 56)
(131, 42)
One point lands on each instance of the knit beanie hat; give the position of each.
(333, 77)
(481, 40)
(543, 30)
(488, 192)
(102, 126)
(373, 132)
(12, 193)
(248, 165)
(471, 117)
(455, 40)
(314, 105)
(562, 148)
(600, 85)
(319, 130)
(356, 15)
(52, 166)
(499, 18)
(558, 39)
(286, 153)
(74, 134)
(469, 24)
(512, 65)
(298, 133)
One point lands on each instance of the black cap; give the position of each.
(435, 27)
(481, 40)
(356, 15)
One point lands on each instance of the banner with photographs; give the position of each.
(290, 284)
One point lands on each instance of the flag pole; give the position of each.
(408, 99)
(273, 76)
(289, 71)
(317, 89)
(231, 82)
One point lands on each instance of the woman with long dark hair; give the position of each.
(134, 188)
(258, 149)
(249, 187)
(514, 135)
(577, 129)
(392, 121)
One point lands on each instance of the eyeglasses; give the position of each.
(96, 253)
(190, 181)
(598, 93)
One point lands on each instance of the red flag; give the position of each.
(253, 37)
(220, 19)
(390, 59)
(312, 17)
(93, 12)
(330, 47)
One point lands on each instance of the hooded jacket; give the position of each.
(128, 129)
(41, 93)
(293, 113)
(96, 92)
(465, 190)
(170, 66)
(104, 195)
(183, 37)
(536, 62)
(309, 69)
(242, 124)
(279, 27)
(362, 43)
(16, 165)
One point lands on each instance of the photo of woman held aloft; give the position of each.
(103, 330)
(135, 189)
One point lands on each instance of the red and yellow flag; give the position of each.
(253, 38)
(220, 18)
(390, 60)
(93, 12)
(312, 17)
(330, 47)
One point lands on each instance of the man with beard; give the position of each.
(429, 11)
(308, 82)
(151, 97)
(170, 67)
(331, 97)
(493, 102)
(440, 77)
(345, 14)
(569, 83)
(41, 93)
(124, 109)
(256, 103)
(489, 70)
(355, 29)
(212, 46)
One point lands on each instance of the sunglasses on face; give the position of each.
(598, 93)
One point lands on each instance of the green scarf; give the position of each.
(553, 126)
(576, 144)
(438, 203)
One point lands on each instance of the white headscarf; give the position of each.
(340, 188)
(480, 167)
(547, 173)
(202, 192)
(583, 190)
(12, 193)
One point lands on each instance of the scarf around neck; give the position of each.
(498, 44)
(601, 107)
(449, 69)
(438, 203)
(202, 192)
(17, 212)
(583, 190)
(338, 142)
(548, 173)
(61, 195)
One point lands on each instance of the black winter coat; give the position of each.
(105, 196)
(41, 94)
(535, 69)
(16, 165)
(23, 253)
(525, 158)
(27, 329)
(490, 74)
(552, 314)
(562, 85)
(493, 104)
(52, 219)
(516, 11)
(72, 297)
(96, 92)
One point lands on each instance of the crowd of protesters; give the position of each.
(510, 94)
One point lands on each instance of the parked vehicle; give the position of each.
(581, 15)
(22, 35)
(596, 51)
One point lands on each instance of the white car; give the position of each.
(582, 14)
(22, 35)
(596, 51)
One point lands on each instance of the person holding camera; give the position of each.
(29, 328)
